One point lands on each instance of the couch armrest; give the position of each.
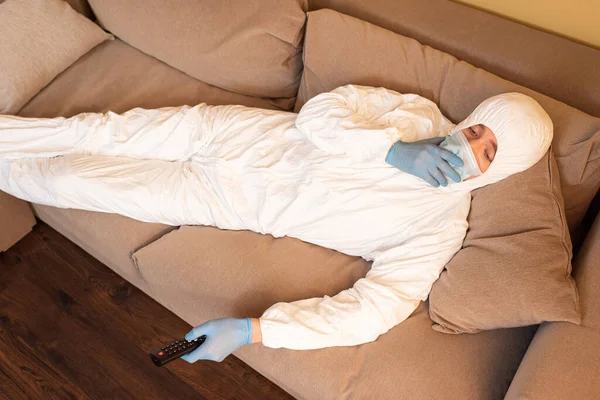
(563, 359)
(16, 220)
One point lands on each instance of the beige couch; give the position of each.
(242, 273)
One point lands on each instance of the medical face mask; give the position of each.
(458, 144)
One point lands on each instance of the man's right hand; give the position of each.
(426, 160)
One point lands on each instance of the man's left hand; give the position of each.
(223, 337)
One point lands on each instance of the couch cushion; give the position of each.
(110, 238)
(552, 65)
(354, 51)
(201, 273)
(249, 47)
(515, 272)
(493, 281)
(115, 76)
(40, 39)
(563, 360)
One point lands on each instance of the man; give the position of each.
(361, 170)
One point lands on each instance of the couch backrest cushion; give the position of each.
(340, 49)
(248, 47)
(136, 80)
(557, 67)
(528, 206)
(39, 40)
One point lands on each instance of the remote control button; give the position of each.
(160, 353)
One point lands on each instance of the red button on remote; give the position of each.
(160, 353)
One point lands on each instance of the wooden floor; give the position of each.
(71, 328)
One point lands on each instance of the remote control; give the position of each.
(175, 350)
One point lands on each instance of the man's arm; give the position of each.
(363, 122)
(399, 280)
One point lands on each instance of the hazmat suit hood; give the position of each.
(522, 128)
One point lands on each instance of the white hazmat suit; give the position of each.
(319, 176)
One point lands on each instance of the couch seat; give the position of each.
(201, 273)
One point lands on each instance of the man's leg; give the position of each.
(172, 193)
(168, 133)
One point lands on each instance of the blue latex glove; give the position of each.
(425, 159)
(223, 337)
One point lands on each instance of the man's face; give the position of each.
(484, 145)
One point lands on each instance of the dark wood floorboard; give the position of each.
(71, 328)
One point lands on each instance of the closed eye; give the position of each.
(488, 151)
